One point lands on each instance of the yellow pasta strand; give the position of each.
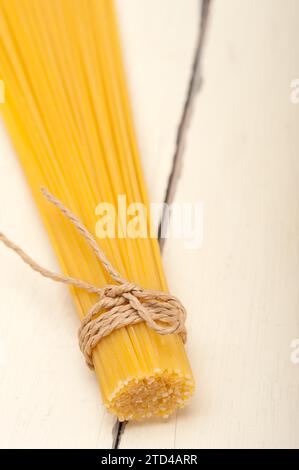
(68, 113)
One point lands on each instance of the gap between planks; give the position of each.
(194, 84)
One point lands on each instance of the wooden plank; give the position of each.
(158, 39)
(241, 288)
(48, 397)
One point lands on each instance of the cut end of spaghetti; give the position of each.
(155, 395)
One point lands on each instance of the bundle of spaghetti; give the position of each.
(67, 111)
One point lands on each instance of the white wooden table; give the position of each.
(241, 288)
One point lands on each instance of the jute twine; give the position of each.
(119, 305)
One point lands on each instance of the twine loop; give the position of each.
(119, 305)
(127, 305)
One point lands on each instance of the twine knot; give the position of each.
(125, 305)
(119, 305)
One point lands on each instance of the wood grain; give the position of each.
(241, 288)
